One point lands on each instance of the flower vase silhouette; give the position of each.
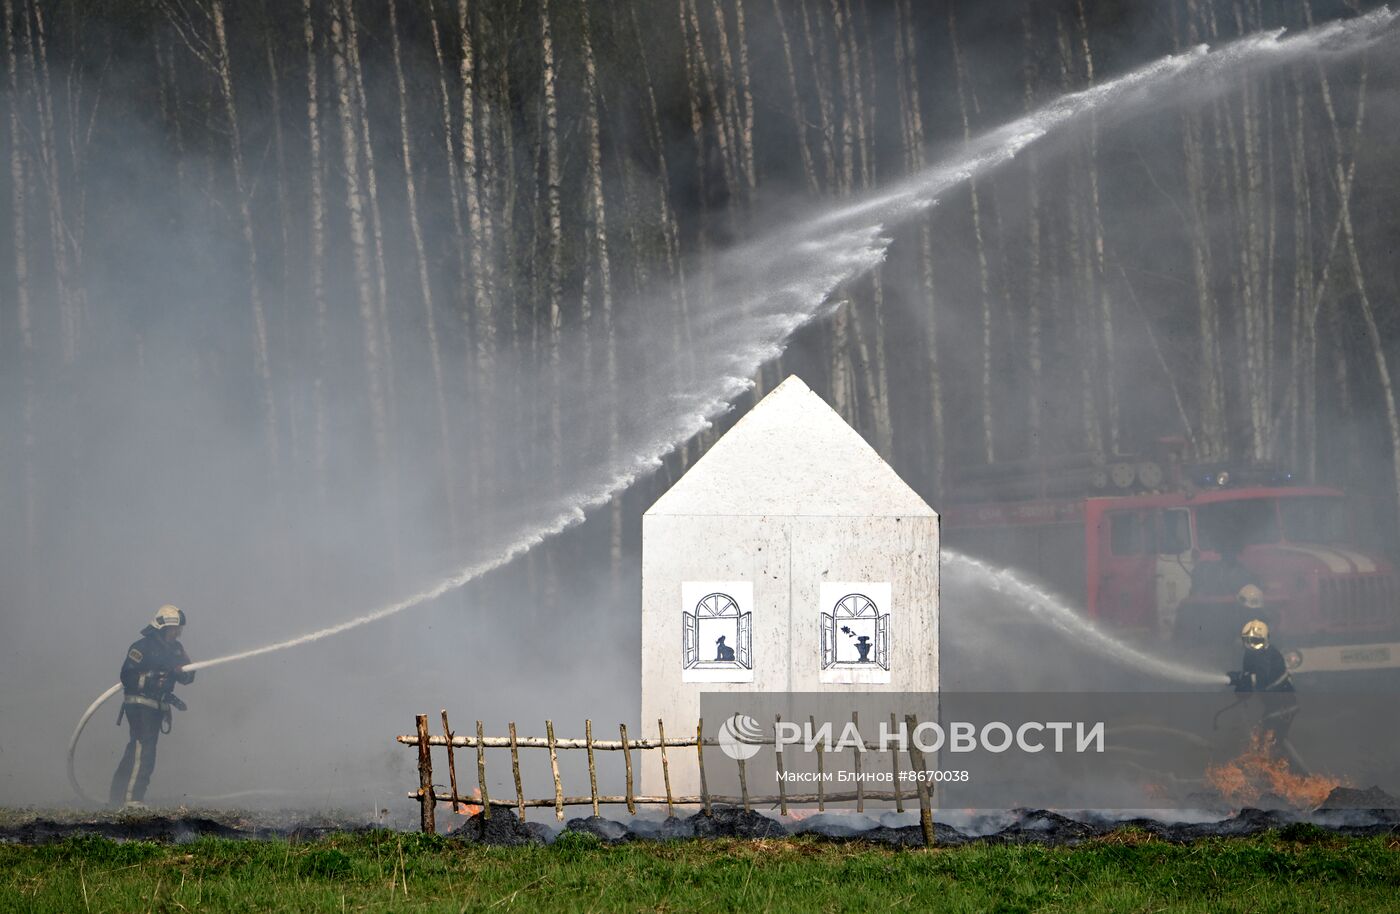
(863, 645)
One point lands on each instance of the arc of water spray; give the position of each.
(1052, 609)
(799, 269)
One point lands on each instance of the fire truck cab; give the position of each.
(1165, 566)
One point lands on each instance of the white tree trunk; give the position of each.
(553, 180)
(483, 305)
(1105, 315)
(376, 219)
(983, 272)
(317, 265)
(454, 186)
(359, 239)
(262, 362)
(425, 286)
(24, 318)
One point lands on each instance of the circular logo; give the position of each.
(740, 737)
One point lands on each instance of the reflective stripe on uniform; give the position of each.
(144, 701)
(135, 769)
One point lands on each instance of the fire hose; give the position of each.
(82, 723)
(565, 520)
(203, 664)
(78, 732)
(87, 716)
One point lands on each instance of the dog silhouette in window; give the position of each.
(722, 650)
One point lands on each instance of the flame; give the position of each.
(1243, 780)
(468, 809)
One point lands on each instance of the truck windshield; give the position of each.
(1313, 520)
(1235, 524)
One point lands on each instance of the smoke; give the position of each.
(155, 485)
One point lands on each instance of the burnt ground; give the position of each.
(175, 825)
(1347, 812)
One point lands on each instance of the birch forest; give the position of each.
(326, 289)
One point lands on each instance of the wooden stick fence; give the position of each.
(428, 796)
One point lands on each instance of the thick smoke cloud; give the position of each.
(151, 477)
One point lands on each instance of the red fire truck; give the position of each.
(1128, 540)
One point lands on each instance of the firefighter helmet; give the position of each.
(1255, 634)
(168, 616)
(1251, 597)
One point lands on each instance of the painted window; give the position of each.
(717, 635)
(855, 634)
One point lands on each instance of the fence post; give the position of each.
(665, 767)
(426, 800)
(481, 772)
(554, 767)
(916, 763)
(743, 774)
(860, 785)
(778, 762)
(592, 767)
(451, 760)
(700, 753)
(894, 760)
(743, 785)
(515, 770)
(627, 756)
(821, 770)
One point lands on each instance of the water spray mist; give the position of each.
(774, 285)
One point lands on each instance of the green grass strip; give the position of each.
(1300, 870)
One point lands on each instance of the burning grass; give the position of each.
(1260, 771)
(387, 871)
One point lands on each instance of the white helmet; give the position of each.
(168, 616)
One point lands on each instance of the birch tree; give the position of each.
(42, 95)
(600, 279)
(261, 359)
(425, 286)
(555, 244)
(1211, 439)
(284, 229)
(380, 272)
(819, 73)
(317, 261)
(1033, 253)
(1100, 283)
(483, 307)
(983, 273)
(906, 53)
(359, 238)
(454, 184)
(24, 319)
(799, 114)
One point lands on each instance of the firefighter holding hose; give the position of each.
(1264, 670)
(153, 666)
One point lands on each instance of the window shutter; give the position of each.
(690, 634)
(882, 640)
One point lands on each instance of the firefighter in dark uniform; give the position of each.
(153, 666)
(1264, 670)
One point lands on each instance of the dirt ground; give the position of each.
(1349, 815)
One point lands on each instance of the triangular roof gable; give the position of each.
(791, 455)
